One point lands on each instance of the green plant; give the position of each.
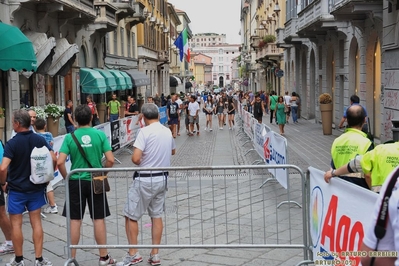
(54, 110)
(325, 98)
(269, 38)
(2, 111)
(140, 96)
(39, 112)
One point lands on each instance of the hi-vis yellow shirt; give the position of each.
(380, 162)
(344, 148)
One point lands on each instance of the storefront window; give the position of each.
(26, 92)
(50, 90)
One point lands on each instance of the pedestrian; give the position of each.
(272, 106)
(173, 116)
(133, 107)
(157, 100)
(193, 108)
(294, 107)
(350, 144)
(92, 105)
(32, 115)
(231, 110)
(23, 194)
(186, 114)
(220, 112)
(113, 109)
(209, 109)
(40, 127)
(180, 103)
(258, 108)
(153, 147)
(280, 114)
(287, 102)
(70, 124)
(96, 145)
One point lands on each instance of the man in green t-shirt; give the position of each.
(95, 144)
(272, 106)
(113, 109)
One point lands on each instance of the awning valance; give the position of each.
(44, 51)
(174, 81)
(16, 50)
(120, 80)
(138, 78)
(188, 84)
(63, 58)
(92, 82)
(109, 79)
(128, 80)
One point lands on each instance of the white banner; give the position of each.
(259, 139)
(275, 153)
(106, 128)
(128, 130)
(336, 227)
(248, 124)
(56, 147)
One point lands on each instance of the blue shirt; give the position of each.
(48, 137)
(18, 150)
(364, 108)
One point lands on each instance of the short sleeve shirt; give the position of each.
(192, 108)
(114, 107)
(94, 142)
(173, 108)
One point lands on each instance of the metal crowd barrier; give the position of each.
(207, 207)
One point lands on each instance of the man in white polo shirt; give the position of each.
(193, 109)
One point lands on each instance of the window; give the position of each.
(227, 76)
(220, 59)
(129, 44)
(107, 42)
(115, 42)
(214, 77)
(220, 51)
(220, 68)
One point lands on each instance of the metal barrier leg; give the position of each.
(69, 261)
(117, 160)
(249, 151)
(267, 180)
(305, 262)
(289, 202)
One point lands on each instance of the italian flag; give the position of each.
(182, 43)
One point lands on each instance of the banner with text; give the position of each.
(336, 227)
(56, 147)
(275, 153)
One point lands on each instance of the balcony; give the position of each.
(106, 18)
(139, 15)
(270, 51)
(145, 53)
(125, 8)
(346, 10)
(315, 20)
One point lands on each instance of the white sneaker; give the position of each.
(204, 129)
(14, 263)
(211, 129)
(6, 249)
(44, 262)
(50, 209)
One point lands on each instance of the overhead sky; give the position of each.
(215, 16)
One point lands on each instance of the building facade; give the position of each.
(207, 39)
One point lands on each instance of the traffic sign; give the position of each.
(280, 73)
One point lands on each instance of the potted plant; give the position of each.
(53, 112)
(39, 112)
(326, 108)
(102, 111)
(269, 38)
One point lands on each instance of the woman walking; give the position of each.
(219, 110)
(258, 107)
(209, 108)
(294, 107)
(280, 114)
(231, 110)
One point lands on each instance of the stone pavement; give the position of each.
(307, 146)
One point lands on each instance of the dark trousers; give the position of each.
(272, 113)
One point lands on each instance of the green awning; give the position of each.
(92, 82)
(109, 79)
(128, 80)
(16, 50)
(120, 80)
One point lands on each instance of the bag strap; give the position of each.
(82, 152)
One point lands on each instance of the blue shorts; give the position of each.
(18, 202)
(173, 121)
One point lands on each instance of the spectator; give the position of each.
(186, 114)
(350, 144)
(32, 115)
(258, 108)
(133, 107)
(220, 112)
(80, 187)
(157, 100)
(23, 194)
(294, 107)
(173, 116)
(40, 127)
(153, 147)
(180, 103)
(193, 108)
(128, 103)
(92, 105)
(209, 109)
(113, 109)
(280, 114)
(272, 106)
(70, 124)
(354, 100)
(287, 102)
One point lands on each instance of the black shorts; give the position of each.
(2, 198)
(80, 192)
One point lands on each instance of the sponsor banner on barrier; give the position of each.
(248, 124)
(336, 227)
(275, 153)
(106, 128)
(162, 115)
(259, 139)
(115, 145)
(128, 130)
(56, 147)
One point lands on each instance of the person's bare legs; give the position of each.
(50, 197)
(75, 234)
(157, 228)
(132, 231)
(100, 235)
(16, 233)
(5, 224)
(37, 231)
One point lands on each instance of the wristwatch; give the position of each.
(333, 173)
